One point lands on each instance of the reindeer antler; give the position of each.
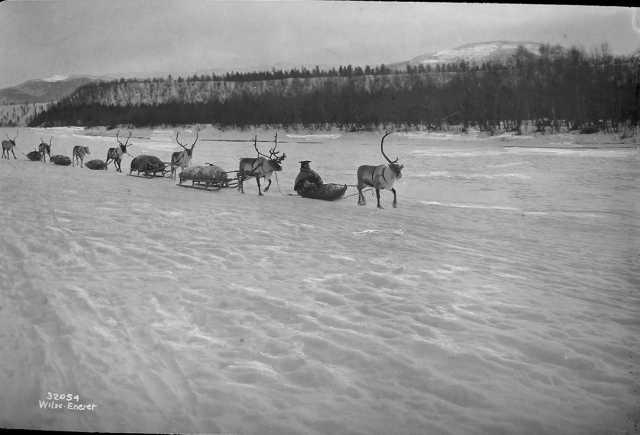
(272, 151)
(197, 135)
(194, 142)
(255, 145)
(387, 133)
(119, 141)
(177, 135)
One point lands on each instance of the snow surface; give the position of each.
(501, 296)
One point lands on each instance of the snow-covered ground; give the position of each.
(501, 296)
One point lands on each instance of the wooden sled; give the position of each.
(212, 184)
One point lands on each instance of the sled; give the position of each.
(220, 181)
(327, 192)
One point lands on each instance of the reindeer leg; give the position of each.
(266, 189)
(361, 200)
(258, 181)
(395, 202)
(240, 181)
(378, 197)
(14, 154)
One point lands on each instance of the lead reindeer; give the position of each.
(262, 166)
(379, 177)
(8, 145)
(115, 154)
(45, 148)
(182, 159)
(79, 153)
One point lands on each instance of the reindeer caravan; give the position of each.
(308, 183)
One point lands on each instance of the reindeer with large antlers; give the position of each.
(45, 148)
(182, 159)
(8, 145)
(262, 166)
(379, 177)
(115, 154)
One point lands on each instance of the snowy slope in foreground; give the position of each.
(177, 310)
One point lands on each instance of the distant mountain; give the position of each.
(41, 91)
(478, 52)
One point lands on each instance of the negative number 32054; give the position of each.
(62, 396)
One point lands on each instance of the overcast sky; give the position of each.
(128, 37)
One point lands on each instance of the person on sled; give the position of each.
(307, 180)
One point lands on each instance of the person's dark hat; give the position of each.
(305, 162)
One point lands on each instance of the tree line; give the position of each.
(555, 87)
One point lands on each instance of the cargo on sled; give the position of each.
(149, 166)
(208, 177)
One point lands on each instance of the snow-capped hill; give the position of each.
(478, 52)
(56, 78)
(41, 91)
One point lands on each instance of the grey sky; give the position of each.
(106, 37)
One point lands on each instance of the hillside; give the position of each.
(157, 91)
(20, 114)
(557, 86)
(42, 91)
(194, 91)
(474, 53)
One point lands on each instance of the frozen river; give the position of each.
(501, 296)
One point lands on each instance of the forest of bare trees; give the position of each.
(555, 88)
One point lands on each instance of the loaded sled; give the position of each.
(208, 177)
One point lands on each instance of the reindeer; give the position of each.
(379, 177)
(45, 148)
(8, 145)
(182, 158)
(262, 166)
(79, 153)
(115, 154)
